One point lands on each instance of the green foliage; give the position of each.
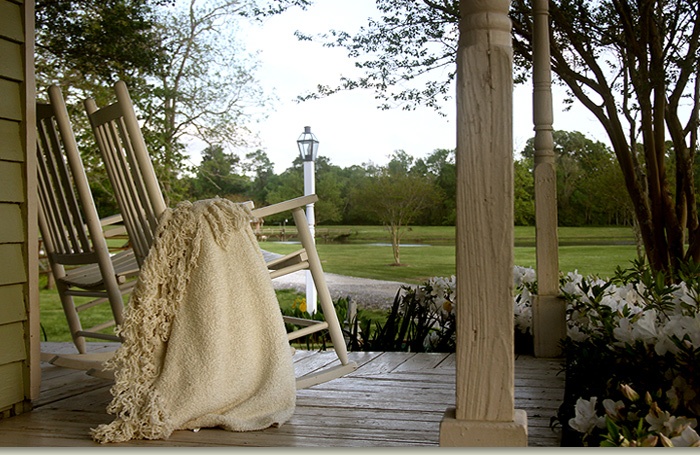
(414, 324)
(439, 167)
(590, 185)
(218, 175)
(524, 192)
(95, 41)
(258, 167)
(396, 198)
(633, 64)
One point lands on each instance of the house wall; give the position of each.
(19, 324)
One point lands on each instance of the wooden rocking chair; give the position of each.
(140, 198)
(72, 231)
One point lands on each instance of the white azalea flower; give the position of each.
(523, 275)
(628, 295)
(645, 327)
(659, 421)
(586, 418)
(684, 295)
(637, 328)
(613, 408)
(530, 276)
(573, 280)
(571, 288)
(678, 325)
(687, 438)
(623, 332)
(576, 334)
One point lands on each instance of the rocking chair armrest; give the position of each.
(284, 206)
(113, 231)
(112, 219)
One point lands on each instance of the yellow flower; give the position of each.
(302, 306)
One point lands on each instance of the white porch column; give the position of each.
(548, 310)
(484, 414)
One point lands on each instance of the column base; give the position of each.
(481, 433)
(548, 325)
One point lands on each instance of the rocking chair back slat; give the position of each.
(129, 168)
(68, 230)
(71, 229)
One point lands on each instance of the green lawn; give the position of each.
(53, 321)
(445, 235)
(588, 250)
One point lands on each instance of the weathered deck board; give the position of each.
(393, 399)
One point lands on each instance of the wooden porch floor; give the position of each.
(394, 399)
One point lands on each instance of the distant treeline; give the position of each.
(590, 186)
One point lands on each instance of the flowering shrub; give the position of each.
(422, 319)
(438, 295)
(633, 332)
(525, 284)
(633, 422)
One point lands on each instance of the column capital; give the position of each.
(490, 16)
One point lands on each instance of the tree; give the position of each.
(290, 184)
(441, 166)
(396, 199)
(261, 170)
(84, 47)
(633, 64)
(397, 50)
(91, 43)
(587, 179)
(524, 192)
(186, 73)
(203, 86)
(218, 175)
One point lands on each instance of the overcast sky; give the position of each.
(349, 126)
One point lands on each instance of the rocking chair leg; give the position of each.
(72, 318)
(324, 295)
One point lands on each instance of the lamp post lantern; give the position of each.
(308, 149)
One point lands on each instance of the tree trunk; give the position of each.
(396, 243)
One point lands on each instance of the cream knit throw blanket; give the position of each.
(205, 344)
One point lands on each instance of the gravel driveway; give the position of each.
(367, 293)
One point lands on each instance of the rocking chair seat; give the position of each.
(90, 277)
